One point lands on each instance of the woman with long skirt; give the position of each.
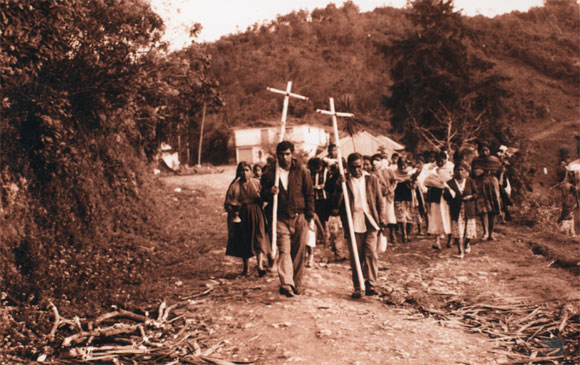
(439, 219)
(246, 223)
(404, 209)
(488, 203)
(388, 185)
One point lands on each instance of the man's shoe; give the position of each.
(467, 249)
(296, 290)
(370, 292)
(357, 294)
(287, 291)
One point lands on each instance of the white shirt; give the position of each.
(446, 171)
(330, 161)
(283, 174)
(461, 185)
(360, 205)
(317, 182)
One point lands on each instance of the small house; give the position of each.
(255, 145)
(366, 144)
(169, 157)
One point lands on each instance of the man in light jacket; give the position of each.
(366, 203)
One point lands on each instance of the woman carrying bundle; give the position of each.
(246, 224)
(439, 219)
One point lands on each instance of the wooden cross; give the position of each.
(287, 94)
(353, 244)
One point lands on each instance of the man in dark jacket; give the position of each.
(366, 206)
(295, 210)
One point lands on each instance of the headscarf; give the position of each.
(463, 164)
(489, 163)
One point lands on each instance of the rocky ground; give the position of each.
(511, 301)
(432, 307)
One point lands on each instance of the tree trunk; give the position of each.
(201, 134)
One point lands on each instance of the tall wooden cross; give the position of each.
(287, 94)
(353, 245)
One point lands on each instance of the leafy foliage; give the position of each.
(89, 92)
(441, 92)
(326, 54)
(500, 69)
(87, 96)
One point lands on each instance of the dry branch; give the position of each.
(524, 329)
(120, 313)
(146, 340)
(117, 329)
(536, 359)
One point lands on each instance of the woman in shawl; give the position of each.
(439, 219)
(461, 195)
(488, 203)
(388, 185)
(404, 208)
(246, 224)
(419, 196)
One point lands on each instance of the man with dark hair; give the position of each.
(394, 159)
(332, 151)
(295, 210)
(331, 160)
(366, 205)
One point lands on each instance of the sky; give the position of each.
(222, 17)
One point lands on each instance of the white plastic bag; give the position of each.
(508, 188)
(311, 234)
(382, 242)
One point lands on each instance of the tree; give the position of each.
(441, 91)
(186, 72)
(84, 102)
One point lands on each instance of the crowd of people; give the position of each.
(390, 197)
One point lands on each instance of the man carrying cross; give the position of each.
(295, 210)
(366, 204)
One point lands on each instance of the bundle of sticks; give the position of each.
(122, 337)
(529, 333)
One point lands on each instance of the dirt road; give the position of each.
(419, 318)
(554, 129)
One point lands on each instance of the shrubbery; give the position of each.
(88, 93)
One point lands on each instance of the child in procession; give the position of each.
(461, 193)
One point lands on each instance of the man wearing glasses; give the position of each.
(367, 216)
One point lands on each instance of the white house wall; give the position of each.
(248, 137)
(304, 137)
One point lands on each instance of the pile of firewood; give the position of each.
(124, 337)
(527, 333)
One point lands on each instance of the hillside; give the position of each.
(335, 52)
(89, 93)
